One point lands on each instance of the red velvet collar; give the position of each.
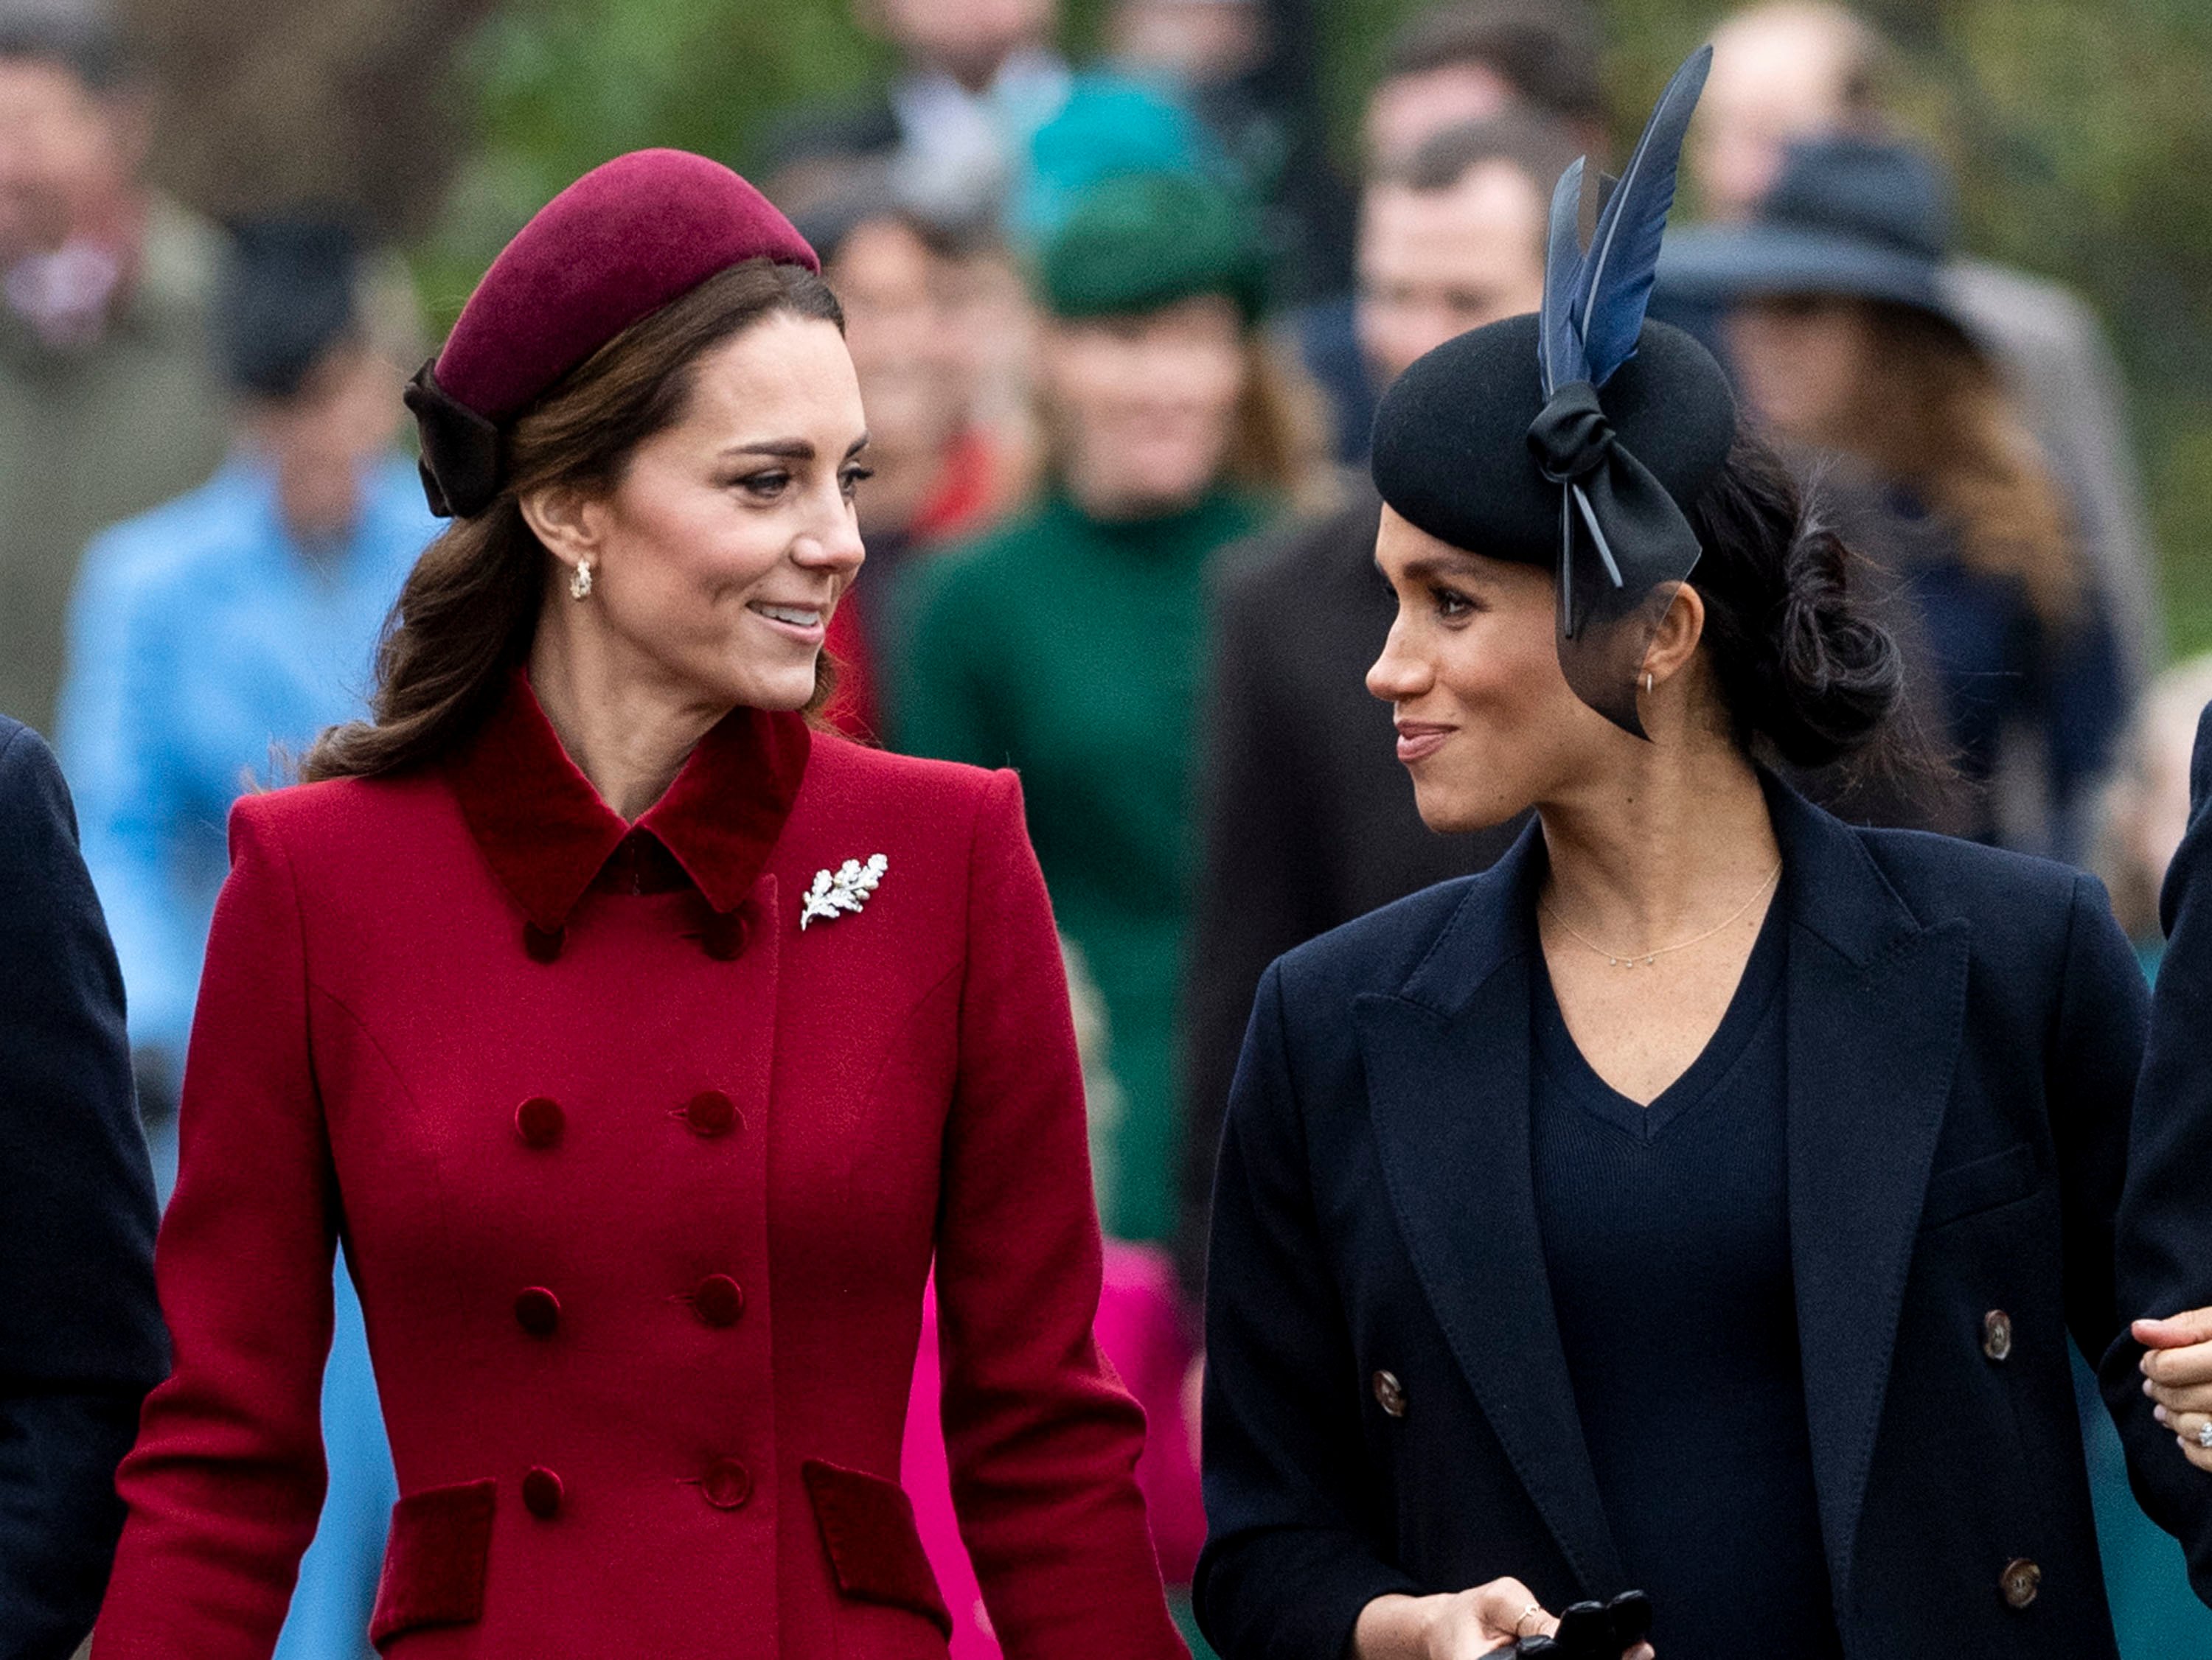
(546, 834)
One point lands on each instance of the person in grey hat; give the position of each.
(1787, 71)
(1847, 338)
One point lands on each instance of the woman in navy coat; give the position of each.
(1701, 1201)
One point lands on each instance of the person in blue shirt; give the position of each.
(210, 640)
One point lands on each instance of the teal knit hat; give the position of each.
(1138, 241)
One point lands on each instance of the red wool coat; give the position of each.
(640, 1180)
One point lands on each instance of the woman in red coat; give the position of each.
(642, 1045)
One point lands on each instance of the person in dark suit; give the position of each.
(81, 1338)
(1307, 820)
(1700, 1200)
(2164, 1270)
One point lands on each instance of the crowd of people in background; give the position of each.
(1120, 328)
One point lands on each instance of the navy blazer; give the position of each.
(1964, 1029)
(2165, 1264)
(81, 1335)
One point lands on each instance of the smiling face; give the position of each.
(720, 552)
(1146, 405)
(1487, 722)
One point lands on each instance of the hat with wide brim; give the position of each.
(1758, 262)
(1848, 216)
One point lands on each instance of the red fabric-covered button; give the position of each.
(537, 1310)
(539, 1121)
(710, 1112)
(725, 936)
(544, 944)
(726, 1484)
(719, 1300)
(541, 1493)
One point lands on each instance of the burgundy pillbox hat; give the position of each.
(617, 246)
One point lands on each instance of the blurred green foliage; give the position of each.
(2077, 127)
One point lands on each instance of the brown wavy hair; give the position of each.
(1931, 412)
(469, 610)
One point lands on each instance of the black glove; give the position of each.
(1594, 1631)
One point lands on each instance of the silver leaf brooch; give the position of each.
(846, 888)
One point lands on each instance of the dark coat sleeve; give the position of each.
(80, 1337)
(1260, 895)
(1287, 1565)
(2165, 1243)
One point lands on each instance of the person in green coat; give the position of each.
(1071, 642)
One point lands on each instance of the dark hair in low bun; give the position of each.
(1800, 663)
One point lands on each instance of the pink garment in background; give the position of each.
(1139, 1330)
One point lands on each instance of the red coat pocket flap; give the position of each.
(867, 1525)
(434, 1559)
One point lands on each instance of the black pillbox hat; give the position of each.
(1452, 453)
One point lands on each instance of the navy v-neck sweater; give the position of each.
(1666, 1238)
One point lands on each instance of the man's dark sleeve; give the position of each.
(81, 1334)
(1257, 893)
(2163, 1244)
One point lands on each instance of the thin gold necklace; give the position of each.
(1646, 959)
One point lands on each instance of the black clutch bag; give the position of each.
(1594, 1631)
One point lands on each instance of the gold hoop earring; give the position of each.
(579, 582)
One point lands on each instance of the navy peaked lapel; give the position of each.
(1447, 1064)
(1876, 1012)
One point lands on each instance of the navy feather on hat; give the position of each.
(1578, 436)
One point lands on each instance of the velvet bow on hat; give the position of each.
(625, 240)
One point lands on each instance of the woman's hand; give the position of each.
(1461, 1626)
(2177, 1375)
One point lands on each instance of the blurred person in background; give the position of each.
(2145, 808)
(109, 398)
(1451, 66)
(1845, 341)
(1803, 69)
(1251, 69)
(1473, 59)
(975, 80)
(211, 639)
(1071, 642)
(81, 1334)
(911, 321)
(1308, 818)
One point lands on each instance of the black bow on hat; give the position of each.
(1638, 544)
(460, 449)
